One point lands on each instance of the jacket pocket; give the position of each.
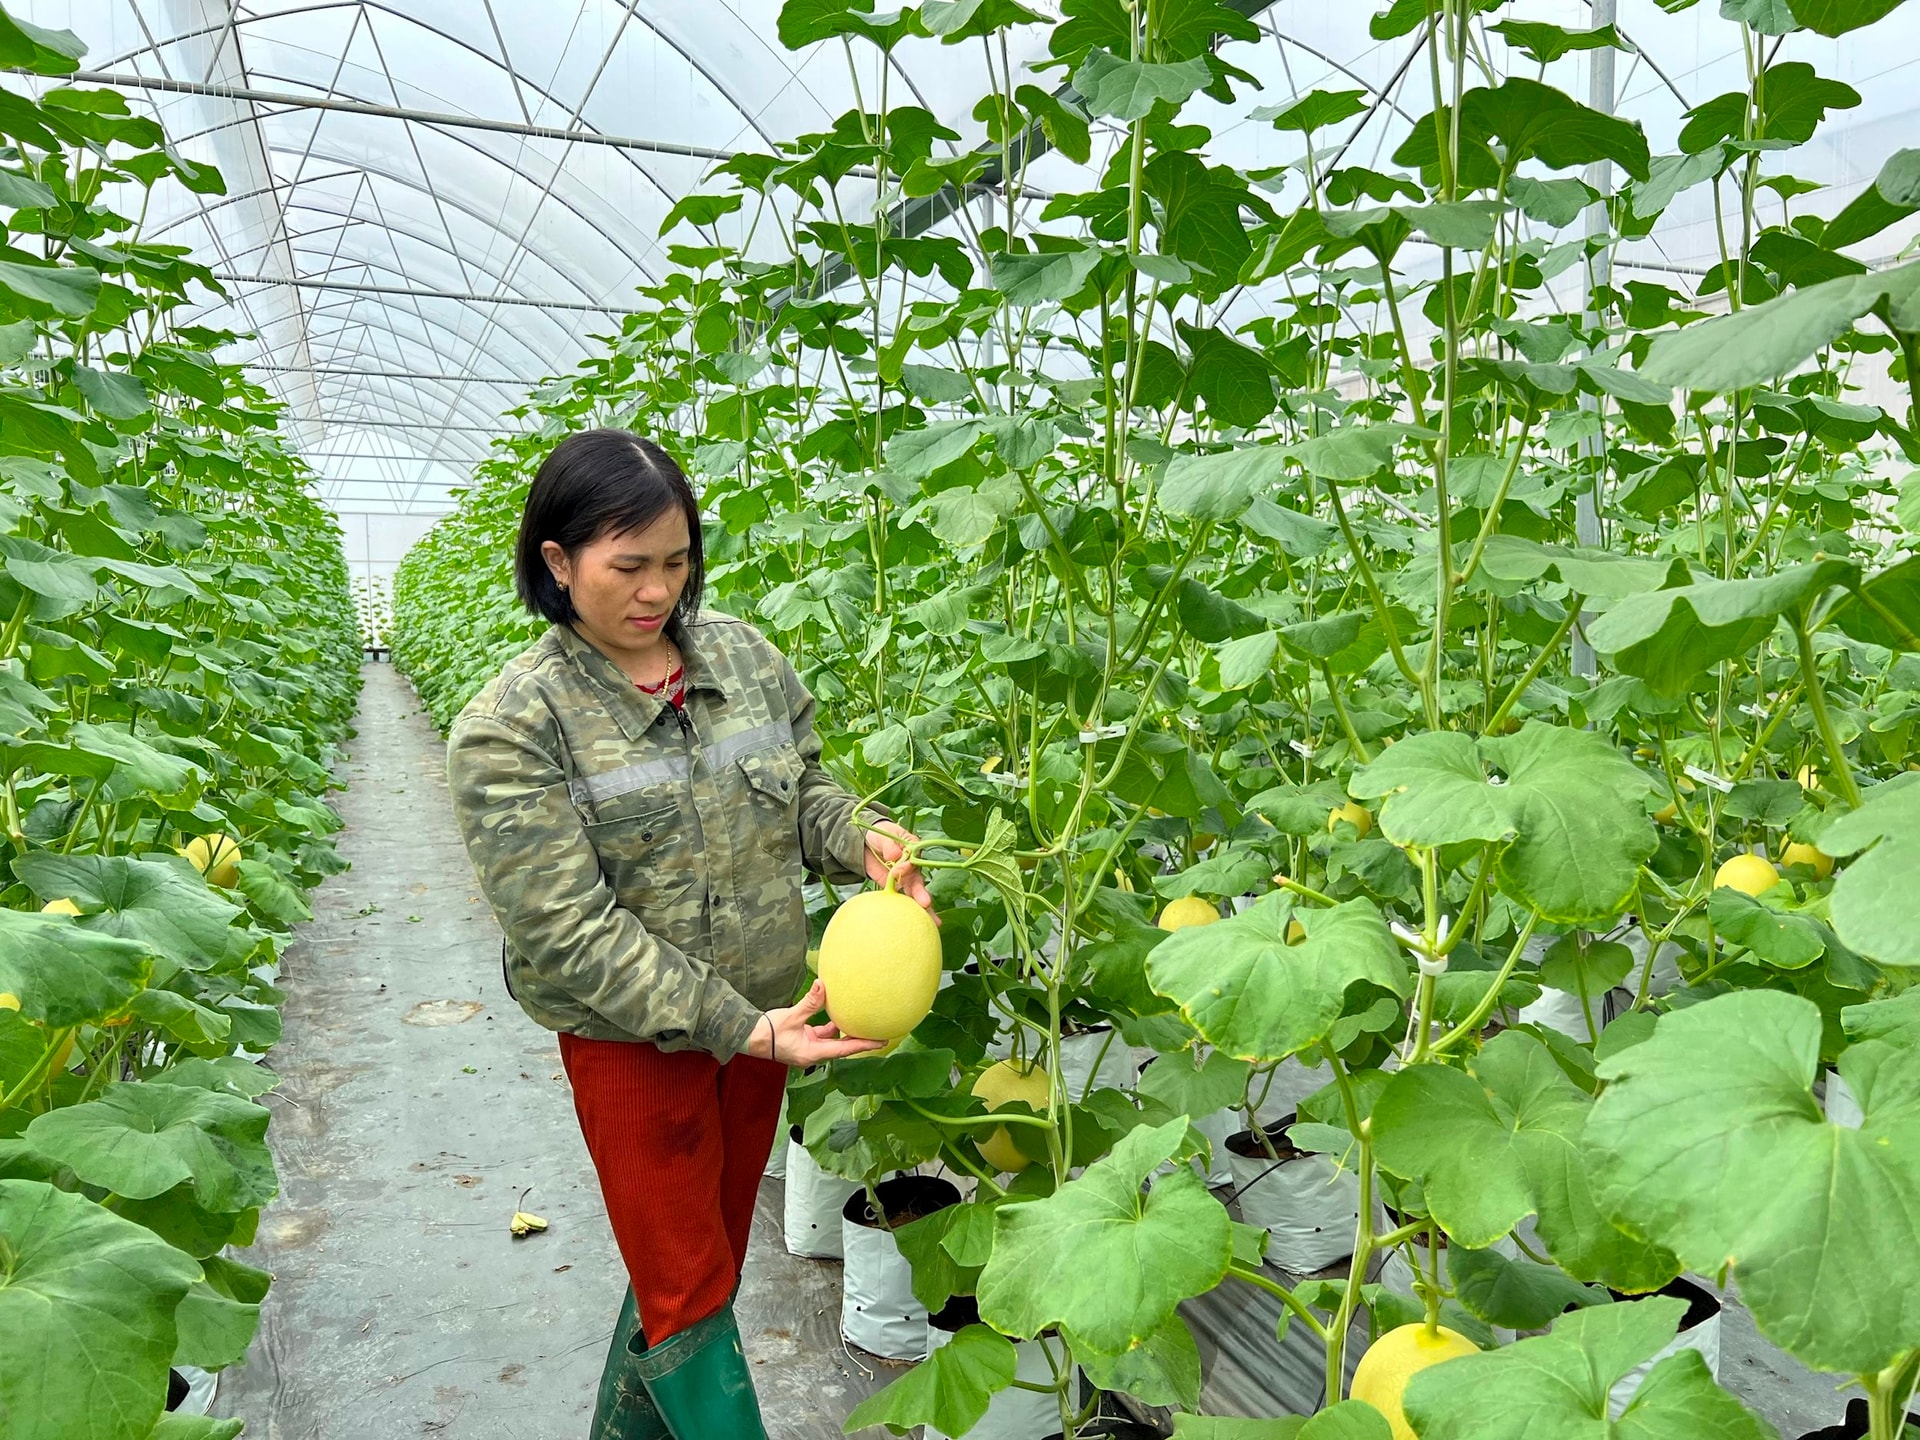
(772, 779)
(648, 856)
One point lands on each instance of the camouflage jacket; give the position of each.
(647, 875)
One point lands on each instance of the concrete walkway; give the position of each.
(419, 1106)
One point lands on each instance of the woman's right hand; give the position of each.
(786, 1035)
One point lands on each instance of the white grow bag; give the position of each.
(1292, 1083)
(1842, 1105)
(1012, 1414)
(1699, 1330)
(1561, 1010)
(1217, 1127)
(777, 1157)
(1666, 964)
(878, 1310)
(1308, 1205)
(813, 1203)
(1104, 1049)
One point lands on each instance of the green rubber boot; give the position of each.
(699, 1381)
(625, 1410)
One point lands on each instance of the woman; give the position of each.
(640, 793)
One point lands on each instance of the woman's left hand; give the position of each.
(887, 845)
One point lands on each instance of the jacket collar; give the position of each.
(633, 707)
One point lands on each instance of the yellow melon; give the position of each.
(999, 1085)
(215, 856)
(1751, 874)
(1394, 1359)
(1812, 856)
(1355, 815)
(60, 907)
(1187, 911)
(880, 962)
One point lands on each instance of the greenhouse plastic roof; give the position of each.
(434, 204)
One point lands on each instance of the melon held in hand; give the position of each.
(880, 962)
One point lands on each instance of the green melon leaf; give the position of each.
(87, 1304)
(161, 904)
(1163, 1369)
(1038, 279)
(1119, 89)
(142, 1140)
(1732, 352)
(1785, 941)
(175, 1426)
(1102, 1260)
(1819, 1223)
(1220, 486)
(1874, 904)
(1516, 1293)
(1667, 637)
(1569, 809)
(1837, 17)
(1558, 1385)
(64, 974)
(1504, 1140)
(69, 291)
(949, 1390)
(1259, 999)
(217, 1319)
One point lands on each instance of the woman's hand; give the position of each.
(887, 845)
(785, 1035)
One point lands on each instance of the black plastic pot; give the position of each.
(910, 1196)
(1701, 1304)
(959, 1312)
(1854, 1427)
(177, 1389)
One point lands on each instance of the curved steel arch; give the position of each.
(470, 407)
(532, 350)
(396, 397)
(345, 311)
(354, 221)
(425, 188)
(519, 78)
(448, 132)
(408, 182)
(331, 347)
(343, 314)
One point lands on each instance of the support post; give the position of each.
(1599, 273)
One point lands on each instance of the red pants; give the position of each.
(680, 1142)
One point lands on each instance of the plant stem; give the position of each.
(1288, 883)
(1363, 1246)
(1816, 697)
(1539, 662)
(1478, 1015)
(1340, 709)
(1379, 603)
(1286, 1296)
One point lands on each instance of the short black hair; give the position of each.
(601, 482)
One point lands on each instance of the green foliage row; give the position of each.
(179, 658)
(1460, 665)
